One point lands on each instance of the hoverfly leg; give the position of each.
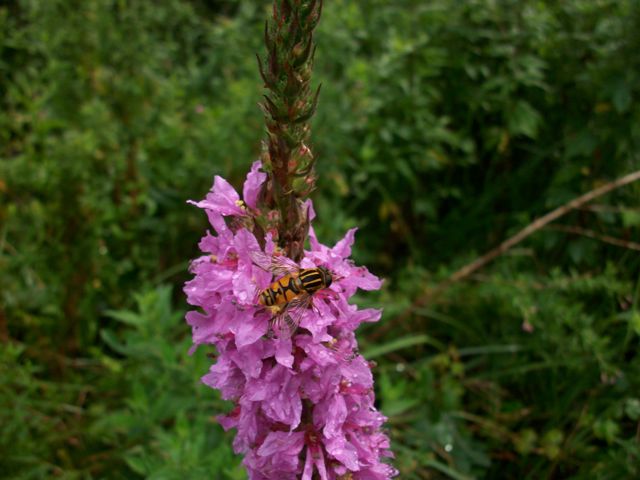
(281, 327)
(291, 324)
(330, 293)
(316, 309)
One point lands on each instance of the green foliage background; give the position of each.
(443, 127)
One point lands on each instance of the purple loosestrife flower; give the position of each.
(303, 403)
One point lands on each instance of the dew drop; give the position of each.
(448, 447)
(400, 367)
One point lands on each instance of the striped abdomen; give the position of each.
(281, 291)
(307, 280)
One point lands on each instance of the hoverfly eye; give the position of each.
(328, 278)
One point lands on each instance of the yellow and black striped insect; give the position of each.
(291, 295)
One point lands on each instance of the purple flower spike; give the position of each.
(304, 403)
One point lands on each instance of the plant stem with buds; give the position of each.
(288, 106)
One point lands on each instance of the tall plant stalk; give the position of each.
(288, 106)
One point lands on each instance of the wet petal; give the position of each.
(343, 451)
(288, 443)
(284, 355)
(251, 330)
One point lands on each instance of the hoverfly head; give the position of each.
(327, 276)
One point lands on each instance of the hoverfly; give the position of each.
(290, 295)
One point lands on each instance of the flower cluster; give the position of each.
(303, 403)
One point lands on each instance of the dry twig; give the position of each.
(618, 242)
(533, 227)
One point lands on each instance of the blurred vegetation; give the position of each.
(443, 128)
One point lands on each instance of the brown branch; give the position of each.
(538, 224)
(609, 208)
(533, 227)
(618, 242)
(4, 327)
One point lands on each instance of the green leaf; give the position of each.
(137, 463)
(113, 342)
(551, 443)
(523, 119)
(632, 408)
(606, 429)
(526, 440)
(126, 316)
(631, 218)
(582, 143)
(621, 96)
(448, 471)
(634, 321)
(399, 344)
(399, 406)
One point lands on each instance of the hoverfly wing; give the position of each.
(261, 259)
(340, 350)
(286, 322)
(278, 265)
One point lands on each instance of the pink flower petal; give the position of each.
(343, 247)
(289, 443)
(320, 465)
(344, 452)
(308, 206)
(308, 466)
(251, 330)
(225, 377)
(222, 199)
(253, 184)
(284, 355)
